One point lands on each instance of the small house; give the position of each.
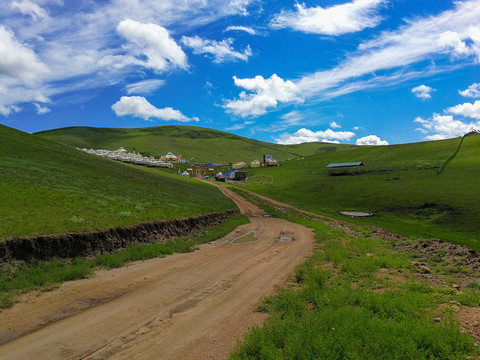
(255, 164)
(235, 175)
(239, 165)
(347, 168)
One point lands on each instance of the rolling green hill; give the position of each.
(400, 184)
(47, 187)
(204, 145)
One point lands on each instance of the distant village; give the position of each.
(136, 158)
(167, 161)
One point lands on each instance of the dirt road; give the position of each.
(184, 306)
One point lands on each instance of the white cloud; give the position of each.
(467, 110)
(334, 125)
(391, 54)
(18, 61)
(419, 40)
(422, 92)
(221, 50)
(335, 20)
(292, 118)
(267, 93)
(305, 135)
(246, 29)
(138, 106)
(236, 127)
(26, 7)
(145, 86)
(41, 109)
(473, 91)
(8, 109)
(370, 140)
(154, 42)
(58, 49)
(443, 127)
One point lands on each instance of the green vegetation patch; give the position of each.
(44, 275)
(400, 184)
(50, 188)
(356, 298)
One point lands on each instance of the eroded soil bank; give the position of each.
(83, 244)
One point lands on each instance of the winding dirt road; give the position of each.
(184, 306)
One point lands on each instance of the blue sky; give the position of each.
(366, 72)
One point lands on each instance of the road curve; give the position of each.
(184, 306)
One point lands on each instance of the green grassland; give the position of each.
(48, 187)
(401, 185)
(357, 298)
(201, 144)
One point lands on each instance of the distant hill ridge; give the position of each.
(51, 188)
(201, 144)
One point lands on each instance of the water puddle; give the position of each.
(246, 238)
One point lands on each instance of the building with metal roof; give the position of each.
(346, 164)
(347, 168)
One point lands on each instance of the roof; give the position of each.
(346, 164)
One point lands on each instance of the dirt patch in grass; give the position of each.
(469, 317)
(436, 213)
(434, 250)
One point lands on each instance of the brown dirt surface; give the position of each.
(184, 306)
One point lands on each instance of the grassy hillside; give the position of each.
(401, 186)
(204, 145)
(48, 187)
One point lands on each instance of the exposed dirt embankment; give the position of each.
(103, 241)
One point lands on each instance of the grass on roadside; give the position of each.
(45, 275)
(356, 298)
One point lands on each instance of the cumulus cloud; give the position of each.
(19, 61)
(467, 110)
(266, 93)
(60, 49)
(145, 86)
(473, 91)
(391, 53)
(334, 125)
(221, 50)
(153, 42)
(246, 29)
(370, 140)
(138, 106)
(453, 43)
(422, 92)
(305, 135)
(443, 127)
(335, 20)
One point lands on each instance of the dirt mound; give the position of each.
(103, 241)
(453, 254)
